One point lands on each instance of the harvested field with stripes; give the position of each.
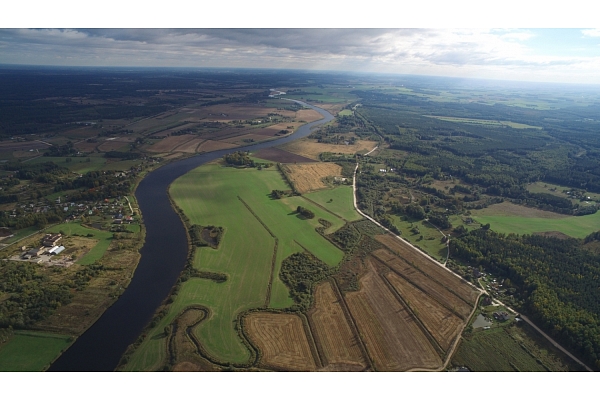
(189, 147)
(169, 143)
(308, 115)
(111, 145)
(339, 345)
(282, 341)
(439, 292)
(309, 177)
(441, 323)
(281, 156)
(391, 334)
(430, 268)
(212, 145)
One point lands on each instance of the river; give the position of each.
(163, 257)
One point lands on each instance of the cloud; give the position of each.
(591, 32)
(456, 52)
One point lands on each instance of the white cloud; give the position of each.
(485, 53)
(591, 32)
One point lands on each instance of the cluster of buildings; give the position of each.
(49, 246)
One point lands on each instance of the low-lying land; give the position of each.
(306, 178)
(255, 320)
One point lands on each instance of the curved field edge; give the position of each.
(245, 255)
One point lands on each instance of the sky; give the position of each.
(543, 53)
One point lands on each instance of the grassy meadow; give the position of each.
(208, 195)
(31, 351)
(342, 202)
(577, 227)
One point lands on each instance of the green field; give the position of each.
(510, 347)
(77, 164)
(104, 238)
(577, 227)
(342, 204)
(21, 234)
(541, 187)
(345, 113)
(209, 196)
(487, 122)
(31, 351)
(431, 242)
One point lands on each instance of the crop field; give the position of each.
(189, 147)
(447, 279)
(245, 254)
(308, 115)
(77, 164)
(332, 332)
(441, 323)
(212, 145)
(309, 177)
(311, 148)
(281, 156)
(434, 289)
(338, 200)
(31, 351)
(344, 113)
(111, 145)
(486, 122)
(574, 226)
(495, 350)
(282, 341)
(169, 143)
(392, 337)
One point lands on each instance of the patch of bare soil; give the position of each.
(281, 156)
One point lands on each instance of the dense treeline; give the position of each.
(239, 158)
(300, 272)
(31, 296)
(305, 212)
(556, 281)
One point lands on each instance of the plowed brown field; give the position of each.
(332, 331)
(282, 341)
(169, 143)
(211, 145)
(311, 149)
(441, 323)
(429, 267)
(426, 284)
(308, 115)
(309, 177)
(189, 147)
(393, 338)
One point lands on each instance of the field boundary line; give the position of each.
(416, 285)
(352, 324)
(312, 342)
(437, 347)
(273, 258)
(412, 264)
(324, 209)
